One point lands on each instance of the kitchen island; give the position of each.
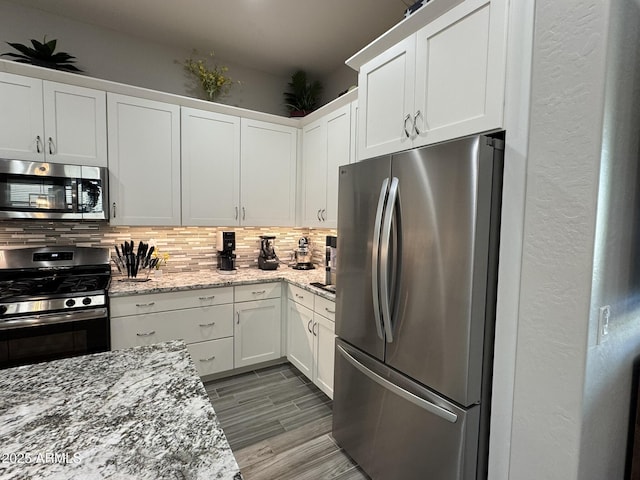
(138, 413)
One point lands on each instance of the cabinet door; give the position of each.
(21, 125)
(75, 125)
(338, 153)
(314, 172)
(324, 353)
(460, 72)
(300, 339)
(210, 168)
(268, 174)
(257, 332)
(144, 161)
(385, 101)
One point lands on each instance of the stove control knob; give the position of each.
(70, 303)
(86, 301)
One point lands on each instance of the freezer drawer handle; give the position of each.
(410, 397)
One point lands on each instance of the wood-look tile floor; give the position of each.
(279, 426)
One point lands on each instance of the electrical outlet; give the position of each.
(603, 323)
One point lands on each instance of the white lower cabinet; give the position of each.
(214, 356)
(257, 331)
(311, 337)
(203, 319)
(300, 337)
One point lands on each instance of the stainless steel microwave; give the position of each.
(52, 191)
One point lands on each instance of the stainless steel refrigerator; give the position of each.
(415, 296)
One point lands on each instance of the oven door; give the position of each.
(33, 339)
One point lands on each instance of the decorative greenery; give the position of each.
(42, 55)
(213, 79)
(303, 95)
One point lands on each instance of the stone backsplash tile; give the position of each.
(190, 248)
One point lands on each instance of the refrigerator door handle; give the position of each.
(385, 246)
(401, 392)
(375, 260)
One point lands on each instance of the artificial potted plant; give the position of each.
(303, 96)
(42, 55)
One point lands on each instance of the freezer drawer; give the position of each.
(394, 428)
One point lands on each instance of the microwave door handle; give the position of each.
(76, 194)
(375, 258)
(385, 246)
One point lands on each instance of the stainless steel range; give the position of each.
(53, 303)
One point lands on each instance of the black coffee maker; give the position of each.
(267, 260)
(226, 246)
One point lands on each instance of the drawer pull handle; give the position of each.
(211, 297)
(150, 304)
(261, 292)
(299, 296)
(208, 359)
(152, 332)
(330, 311)
(207, 324)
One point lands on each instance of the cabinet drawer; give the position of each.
(326, 308)
(257, 291)
(301, 296)
(191, 325)
(159, 302)
(213, 356)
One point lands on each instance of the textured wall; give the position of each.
(563, 164)
(189, 248)
(111, 55)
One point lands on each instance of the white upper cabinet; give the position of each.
(75, 123)
(385, 100)
(53, 122)
(326, 144)
(443, 82)
(268, 174)
(210, 168)
(144, 161)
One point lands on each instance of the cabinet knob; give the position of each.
(322, 215)
(243, 213)
(38, 144)
(318, 215)
(51, 146)
(236, 213)
(314, 329)
(114, 209)
(309, 326)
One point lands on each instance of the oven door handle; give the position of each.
(52, 318)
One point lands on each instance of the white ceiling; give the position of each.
(275, 36)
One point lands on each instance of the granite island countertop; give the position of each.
(139, 413)
(173, 282)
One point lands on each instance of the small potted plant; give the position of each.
(213, 79)
(42, 55)
(303, 96)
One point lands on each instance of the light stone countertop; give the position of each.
(138, 413)
(174, 282)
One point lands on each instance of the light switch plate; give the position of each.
(603, 323)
